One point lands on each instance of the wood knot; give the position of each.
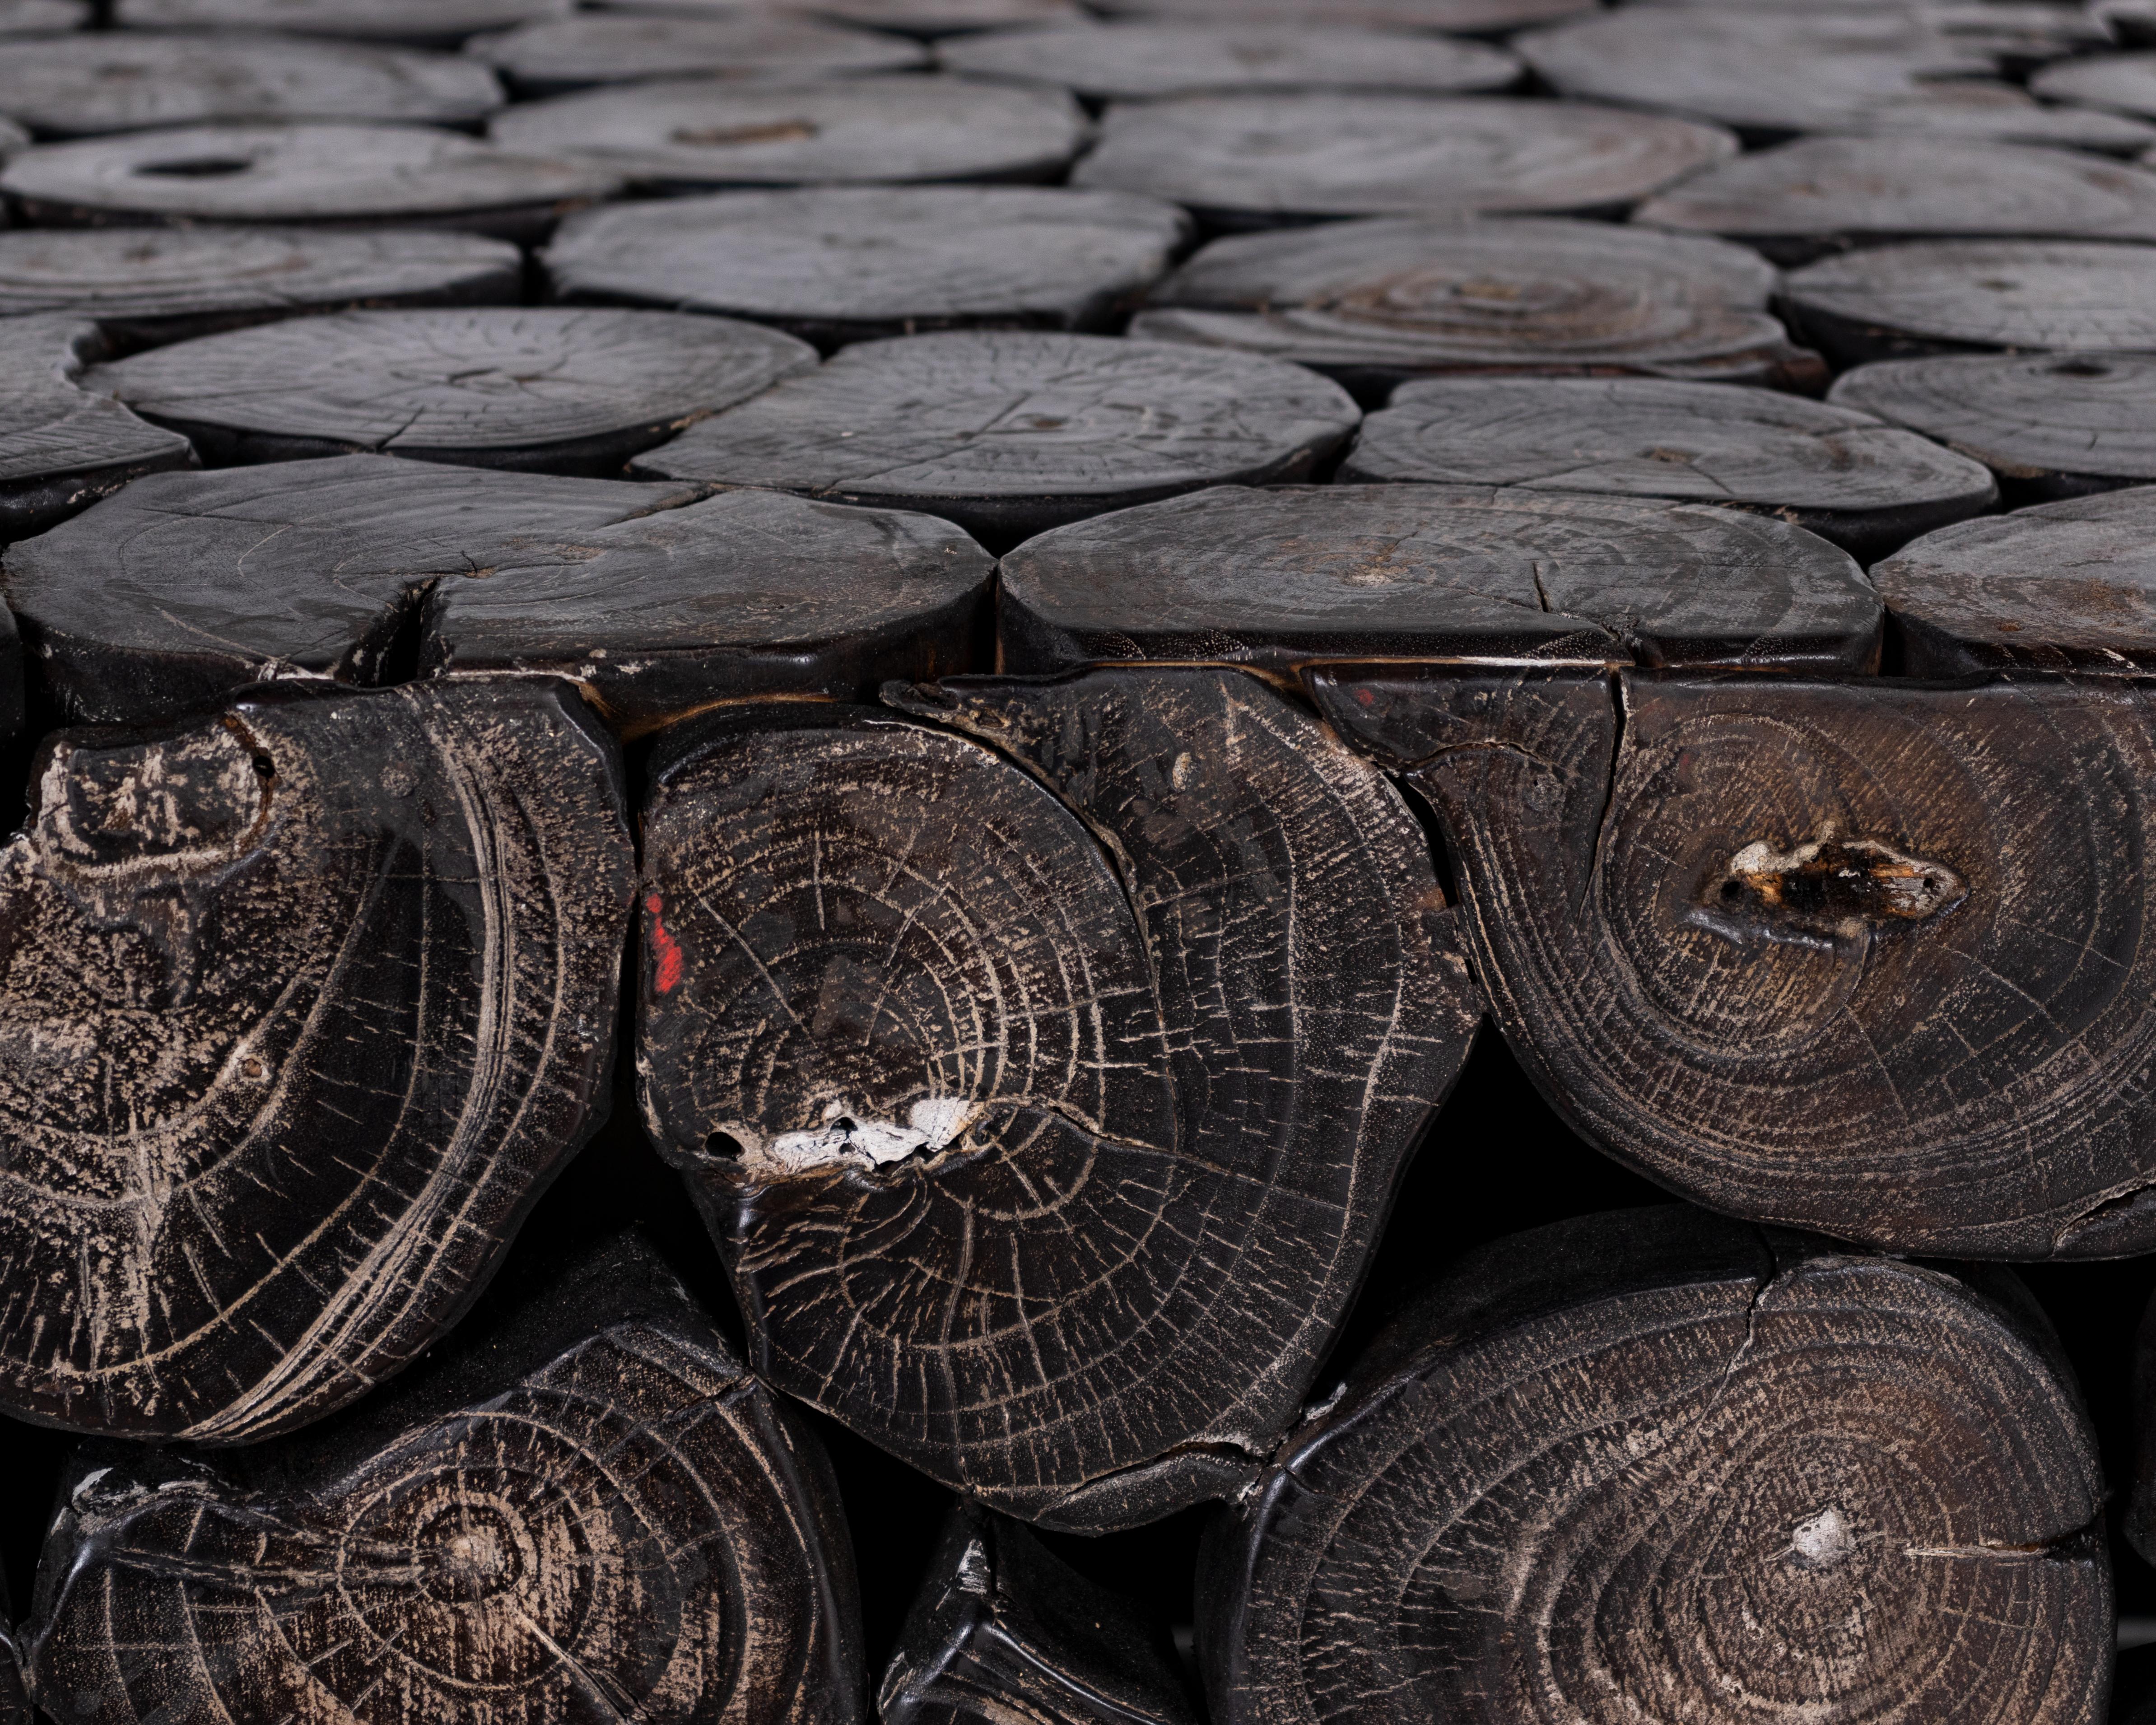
(1826, 892)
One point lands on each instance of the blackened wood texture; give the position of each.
(548, 390)
(1868, 486)
(72, 86)
(840, 264)
(1373, 303)
(1045, 1075)
(1820, 195)
(600, 1515)
(2049, 425)
(2068, 586)
(145, 287)
(309, 1000)
(1277, 578)
(1003, 1629)
(1866, 957)
(1652, 1465)
(62, 447)
(2123, 82)
(1139, 59)
(1459, 18)
(591, 47)
(39, 17)
(1945, 295)
(1007, 434)
(1253, 160)
(927, 19)
(417, 24)
(707, 133)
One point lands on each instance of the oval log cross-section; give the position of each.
(1866, 957)
(840, 264)
(1650, 1464)
(2125, 83)
(1869, 487)
(1374, 303)
(599, 1514)
(413, 23)
(590, 47)
(929, 20)
(1010, 434)
(545, 390)
(1045, 1087)
(305, 1002)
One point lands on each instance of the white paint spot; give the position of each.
(1824, 1540)
(974, 1576)
(850, 1135)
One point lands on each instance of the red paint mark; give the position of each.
(664, 949)
(1363, 697)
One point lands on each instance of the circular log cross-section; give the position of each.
(1946, 296)
(1138, 60)
(1456, 18)
(1256, 161)
(1868, 486)
(1650, 1464)
(546, 390)
(1009, 433)
(412, 23)
(1278, 577)
(73, 86)
(605, 1517)
(839, 264)
(707, 132)
(1037, 1155)
(1374, 303)
(592, 48)
(309, 1000)
(2050, 425)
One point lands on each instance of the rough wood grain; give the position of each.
(61, 446)
(1641, 1465)
(308, 1000)
(1867, 486)
(1947, 296)
(1139, 59)
(546, 390)
(699, 133)
(1862, 956)
(1279, 578)
(148, 286)
(2049, 426)
(417, 24)
(1003, 1629)
(73, 86)
(370, 175)
(593, 48)
(840, 264)
(1821, 195)
(1458, 17)
(1375, 303)
(598, 1514)
(41, 18)
(1009, 433)
(1044, 1074)
(1254, 161)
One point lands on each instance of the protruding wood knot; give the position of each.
(1828, 891)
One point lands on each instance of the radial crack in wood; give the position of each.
(417, 24)
(593, 48)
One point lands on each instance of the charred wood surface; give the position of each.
(306, 1003)
(590, 47)
(1044, 1073)
(417, 24)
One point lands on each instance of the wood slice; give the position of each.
(2123, 82)
(550, 390)
(1633, 1464)
(1136, 60)
(1009, 434)
(1456, 17)
(601, 1516)
(705, 132)
(41, 17)
(73, 86)
(1255, 160)
(926, 19)
(595, 48)
(842, 264)
(2068, 586)
(300, 1036)
(2049, 426)
(413, 23)
(1858, 956)
(1826, 194)
(1869, 487)
(366, 175)
(1049, 1173)
(61, 446)
(1945, 295)
(1279, 578)
(1004, 1630)
(146, 287)
(1376, 303)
